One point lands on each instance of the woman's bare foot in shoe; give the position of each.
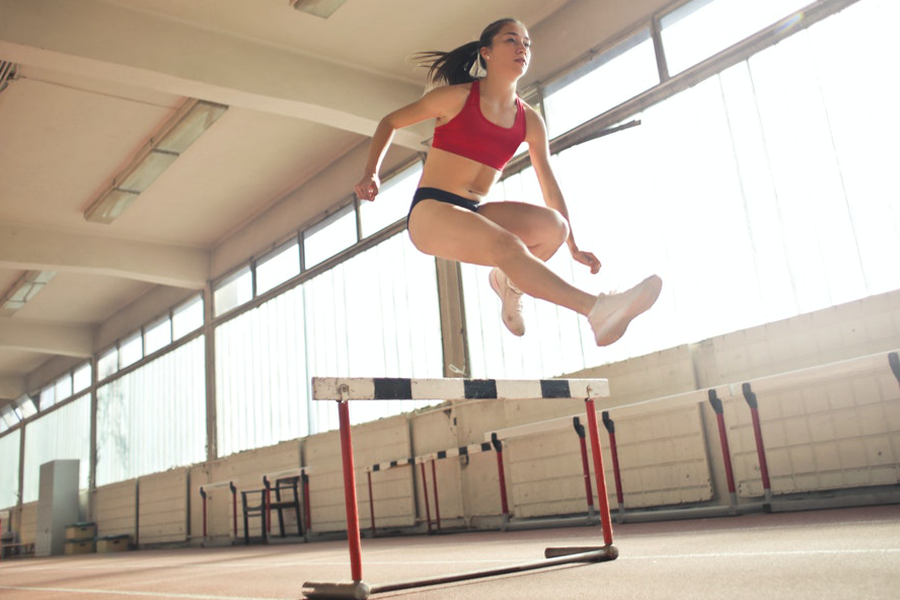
(511, 299)
(613, 312)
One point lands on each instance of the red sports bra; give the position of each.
(471, 135)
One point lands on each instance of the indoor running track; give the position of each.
(846, 553)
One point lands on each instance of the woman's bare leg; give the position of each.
(454, 233)
(543, 230)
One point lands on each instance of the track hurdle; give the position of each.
(343, 390)
(432, 458)
(547, 426)
(205, 489)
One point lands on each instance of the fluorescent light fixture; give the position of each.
(189, 122)
(24, 289)
(319, 8)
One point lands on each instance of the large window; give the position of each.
(64, 433)
(762, 193)
(9, 469)
(330, 236)
(375, 314)
(701, 28)
(392, 202)
(153, 418)
(606, 80)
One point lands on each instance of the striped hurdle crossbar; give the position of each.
(424, 458)
(387, 388)
(343, 390)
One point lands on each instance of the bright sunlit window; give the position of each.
(235, 290)
(187, 317)
(602, 83)
(81, 378)
(699, 29)
(278, 266)
(131, 350)
(108, 363)
(330, 236)
(759, 194)
(63, 387)
(157, 335)
(392, 203)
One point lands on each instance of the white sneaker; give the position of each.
(613, 312)
(511, 297)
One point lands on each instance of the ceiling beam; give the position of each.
(39, 249)
(109, 42)
(11, 387)
(45, 338)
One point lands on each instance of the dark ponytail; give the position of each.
(453, 67)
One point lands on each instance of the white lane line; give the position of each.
(128, 593)
(764, 553)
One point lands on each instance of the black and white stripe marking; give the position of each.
(391, 388)
(425, 458)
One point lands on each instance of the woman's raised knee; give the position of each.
(505, 246)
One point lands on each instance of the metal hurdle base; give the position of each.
(359, 590)
(354, 590)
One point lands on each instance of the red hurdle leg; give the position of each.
(614, 451)
(437, 506)
(425, 490)
(268, 509)
(203, 495)
(307, 510)
(350, 493)
(371, 502)
(233, 509)
(599, 473)
(723, 439)
(501, 475)
(750, 397)
(585, 465)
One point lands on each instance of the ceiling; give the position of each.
(97, 78)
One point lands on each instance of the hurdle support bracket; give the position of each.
(590, 553)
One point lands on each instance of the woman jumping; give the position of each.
(480, 123)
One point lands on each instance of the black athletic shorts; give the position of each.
(429, 193)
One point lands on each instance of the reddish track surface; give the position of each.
(849, 553)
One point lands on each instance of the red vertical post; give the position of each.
(350, 492)
(723, 439)
(501, 475)
(599, 473)
(425, 490)
(614, 451)
(437, 506)
(203, 495)
(233, 508)
(750, 397)
(307, 510)
(268, 505)
(371, 502)
(585, 464)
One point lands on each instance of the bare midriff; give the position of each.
(458, 175)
